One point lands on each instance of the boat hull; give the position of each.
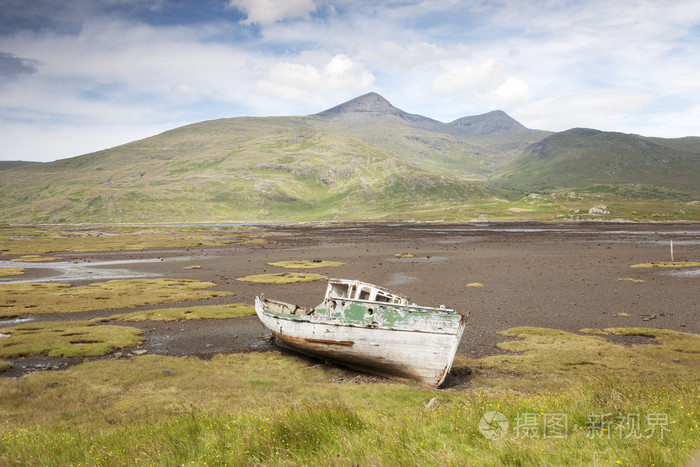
(424, 355)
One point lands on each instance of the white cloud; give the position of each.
(415, 53)
(682, 122)
(188, 93)
(266, 12)
(344, 74)
(121, 65)
(469, 80)
(290, 80)
(295, 81)
(511, 91)
(482, 81)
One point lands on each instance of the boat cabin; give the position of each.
(358, 290)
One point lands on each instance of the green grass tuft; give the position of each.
(66, 339)
(233, 310)
(282, 278)
(35, 259)
(404, 255)
(7, 272)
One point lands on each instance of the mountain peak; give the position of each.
(371, 108)
(370, 104)
(496, 122)
(372, 100)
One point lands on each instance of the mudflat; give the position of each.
(562, 276)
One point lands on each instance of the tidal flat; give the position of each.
(570, 355)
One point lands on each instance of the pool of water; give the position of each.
(76, 271)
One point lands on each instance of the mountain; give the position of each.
(470, 148)
(582, 158)
(238, 169)
(493, 123)
(361, 160)
(372, 109)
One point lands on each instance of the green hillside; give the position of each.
(362, 160)
(596, 161)
(234, 169)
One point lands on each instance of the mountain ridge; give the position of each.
(361, 160)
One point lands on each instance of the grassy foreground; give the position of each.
(275, 409)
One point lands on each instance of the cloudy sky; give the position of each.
(77, 76)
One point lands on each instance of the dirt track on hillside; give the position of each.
(557, 276)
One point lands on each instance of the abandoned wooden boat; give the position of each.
(371, 329)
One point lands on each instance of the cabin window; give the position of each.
(364, 294)
(340, 290)
(383, 298)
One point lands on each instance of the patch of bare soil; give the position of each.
(629, 341)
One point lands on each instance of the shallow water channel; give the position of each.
(76, 271)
